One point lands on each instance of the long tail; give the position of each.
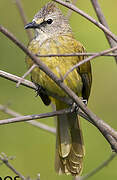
(69, 144)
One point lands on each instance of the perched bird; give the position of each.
(53, 35)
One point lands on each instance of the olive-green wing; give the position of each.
(85, 72)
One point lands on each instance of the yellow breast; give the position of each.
(58, 65)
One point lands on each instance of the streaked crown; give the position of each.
(49, 8)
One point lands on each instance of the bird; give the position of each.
(53, 35)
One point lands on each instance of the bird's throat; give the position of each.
(41, 36)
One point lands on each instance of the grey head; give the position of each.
(50, 21)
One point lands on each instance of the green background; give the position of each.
(35, 149)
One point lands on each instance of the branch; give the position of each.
(40, 125)
(75, 54)
(99, 25)
(32, 117)
(31, 85)
(102, 20)
(21, 118)
(23, 17)
(5, 159)
(100, 167)
(16, 79)
(89, 59)
(34, 123)
(104, 128)
(26, 74)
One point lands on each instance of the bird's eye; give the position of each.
(49, 21)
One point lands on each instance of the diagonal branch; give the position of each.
(26, 74)
(16, 79)
(85, 15)
(4, 159)
(102, 20)
(104, 128)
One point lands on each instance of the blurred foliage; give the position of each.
(33, 148)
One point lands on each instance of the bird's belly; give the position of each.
(58, 65)
(73, 80)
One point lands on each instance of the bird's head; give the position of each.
(49, 20)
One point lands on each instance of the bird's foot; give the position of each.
(85, 101)
(75, 107)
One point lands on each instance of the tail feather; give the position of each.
(64, 138)
(69, 144)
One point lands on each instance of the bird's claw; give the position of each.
(85, 101)
(75, 107)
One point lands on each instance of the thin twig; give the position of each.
(102, 20)
(21, 118)
(104, 128)
(23, 17)
(88, 59)
(100, 167)
(26, 74)
(75, 54)
(34, 123)
(85, 15)
(34, 116)
(16, 79)
(5, 161)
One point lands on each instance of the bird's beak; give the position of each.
(33, 25)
